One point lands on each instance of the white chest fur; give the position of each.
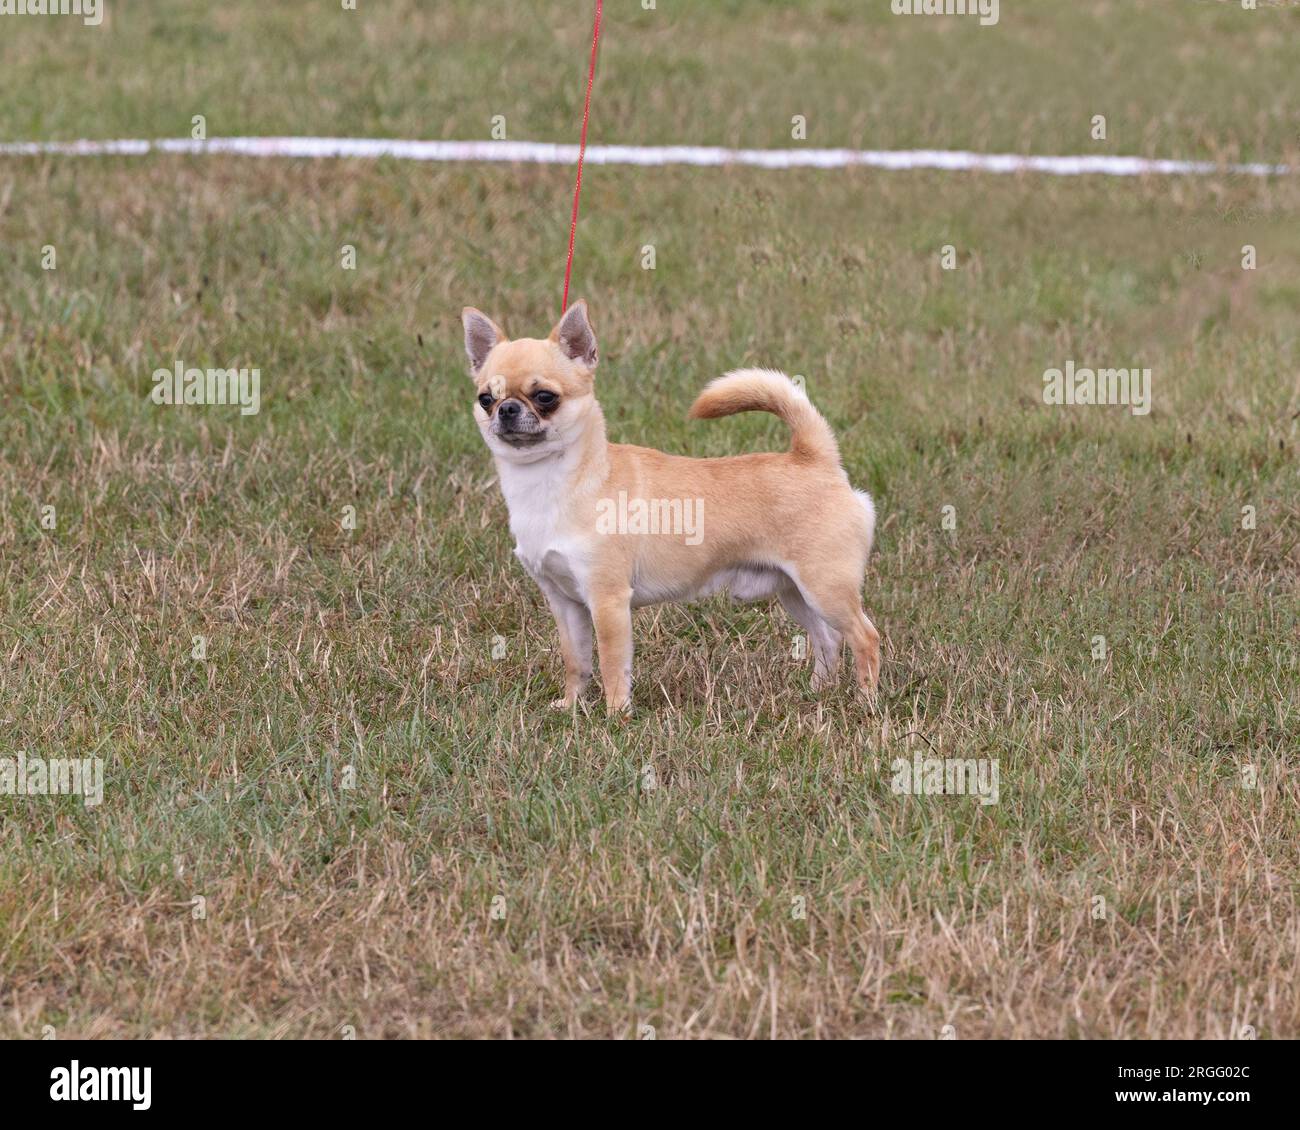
(535, 495)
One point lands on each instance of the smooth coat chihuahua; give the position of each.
(607, 527)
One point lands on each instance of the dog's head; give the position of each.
(533, 397)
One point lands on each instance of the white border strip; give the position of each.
(544, 153)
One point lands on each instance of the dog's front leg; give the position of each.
(574, 624)
(611, 612)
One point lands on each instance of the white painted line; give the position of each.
(544, 153)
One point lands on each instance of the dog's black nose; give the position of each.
(509, 410)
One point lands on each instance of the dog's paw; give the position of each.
(870, 692)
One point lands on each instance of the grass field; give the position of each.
(732, 861)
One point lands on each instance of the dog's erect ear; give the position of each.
(481, 334)
(573, 334)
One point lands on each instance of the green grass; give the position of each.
(1175, 78)
(627, 905)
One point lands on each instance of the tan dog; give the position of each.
(606, 527)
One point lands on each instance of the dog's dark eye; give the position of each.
(544, 399)
(485, 401)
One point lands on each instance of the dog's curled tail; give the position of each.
(766, 390)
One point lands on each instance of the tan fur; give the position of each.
(787, 521)
(763, 390)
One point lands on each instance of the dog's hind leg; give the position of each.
(865, 642)
(826, 642)
(836, 599)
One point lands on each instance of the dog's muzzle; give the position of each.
(517, 424)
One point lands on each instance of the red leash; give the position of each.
(582, 152)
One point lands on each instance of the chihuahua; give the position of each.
(607, 527)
